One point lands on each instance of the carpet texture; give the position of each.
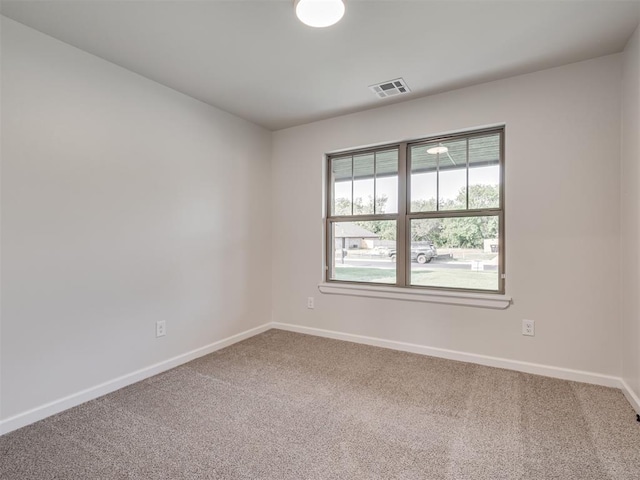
(283, 405)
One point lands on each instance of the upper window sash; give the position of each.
(364, 183)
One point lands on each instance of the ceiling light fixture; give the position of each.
(319, 13)
(438, 149)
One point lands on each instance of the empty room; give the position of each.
(320, 239)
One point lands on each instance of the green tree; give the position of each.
(455, 232)
(470, 232)
(425, 229)
(360, 207)
(423, 205)
(460, 232)
(481, 196)
(385, 229)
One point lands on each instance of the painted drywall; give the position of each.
(123, 203)
(630, 215)
(562, 222)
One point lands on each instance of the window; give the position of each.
(422, 214)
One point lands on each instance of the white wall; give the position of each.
(630, 214)
(123, 202)
(562, 222)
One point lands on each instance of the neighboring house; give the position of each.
(350, 235)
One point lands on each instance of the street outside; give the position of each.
(464, 259)
(453, 268)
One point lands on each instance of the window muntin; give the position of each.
(364, 183)
(449, 228)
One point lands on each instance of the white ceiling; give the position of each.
(256, 60)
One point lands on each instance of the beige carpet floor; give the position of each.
(289, 406)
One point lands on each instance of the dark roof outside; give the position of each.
(351, 230)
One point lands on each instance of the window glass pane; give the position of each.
(387, 181)
(342, 185)
(424, 178)
(452, 175)
(363, 181)
(484, 171)
(455, 252)
(364, 251)
(453, 190)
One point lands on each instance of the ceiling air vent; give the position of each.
(390, 88)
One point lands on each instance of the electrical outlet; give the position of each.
(310, 303)
(161, 328)
(529, 327)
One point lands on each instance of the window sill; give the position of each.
(482, 300)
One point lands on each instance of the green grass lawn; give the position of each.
(453, 278)
(359, 274)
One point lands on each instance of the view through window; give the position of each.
(427, 213)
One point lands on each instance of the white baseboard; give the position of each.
(634, 400)
(57, 406)
(31, 416)
(526, 367)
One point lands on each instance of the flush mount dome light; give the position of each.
(438, 149)
(319, 13)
